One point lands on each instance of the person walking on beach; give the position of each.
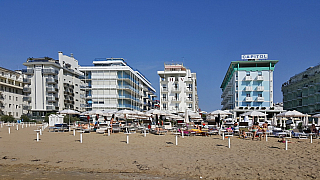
(264, 128)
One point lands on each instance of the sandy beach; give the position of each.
(60, 155)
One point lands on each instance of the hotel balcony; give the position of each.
(175, 89)
(164, 89)
(260, 88)
(26, 89)
(248, 78)
(52, 89)
(51, 107)
(248, 99)
(260, 99)
(188, 100)
(26, 98)
(188, 89)
(175, 99)
(27, 71)
(27, 81)
(248, 88)
(52, 80)
(51, 98)
(164, 99)
(27, 107)
(50, 71)
(259, 78)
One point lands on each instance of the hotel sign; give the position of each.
(254, 56)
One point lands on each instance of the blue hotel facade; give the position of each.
(248, 85)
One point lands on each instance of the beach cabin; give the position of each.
(55, 119)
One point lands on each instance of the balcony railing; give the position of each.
(164, 99)
(49, 71)
(26, 89)
(175, 99)
(27, 71)
(260, 99)
(27, 107)
(248, 88)
(26, 98)
(248, 99)
(175, 89)
(52, 80)
(248, 78)
(164, 89)
(188, 100)
(260, 88)
(27, 81)
(259, 78)
(52, 89)
(188, 89)
(51, 107)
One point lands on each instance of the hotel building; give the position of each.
(111, 84)
(52, 85)
(248, 85)
(11, 95)
(302, 91)
(178, 88)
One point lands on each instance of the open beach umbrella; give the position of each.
(317, 116)
(68, 111)
(293, 113)
(254, 114)
(221, 112)
(126, 112)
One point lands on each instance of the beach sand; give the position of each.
(60, 155)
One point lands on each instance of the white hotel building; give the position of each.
(248, 85)
(111, 84)
(11, 96)
(52, 85)
(178, 88)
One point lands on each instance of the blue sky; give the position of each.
(205, 35)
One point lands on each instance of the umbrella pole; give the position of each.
(69, 123)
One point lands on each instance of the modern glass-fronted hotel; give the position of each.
(248, 85)
(302, 92)
(111, 84)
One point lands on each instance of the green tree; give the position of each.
(25, 118)
(72, 119)
(7, 118)
(46, 118)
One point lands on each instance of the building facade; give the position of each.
(11, 92)
(178, 88)
(302, 91)
(248, 85)
(52, 85)
(111, 84)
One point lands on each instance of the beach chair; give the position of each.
(116, 128)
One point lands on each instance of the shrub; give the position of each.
(7, 118)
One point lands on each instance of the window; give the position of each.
(9, 97)
(9, 105)
(259, 73)
(248, 95)
(259, 95)
(177, 106)
(16, 98)
(248, 73)
(164, 105)
(190, 106)
(176, 96)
